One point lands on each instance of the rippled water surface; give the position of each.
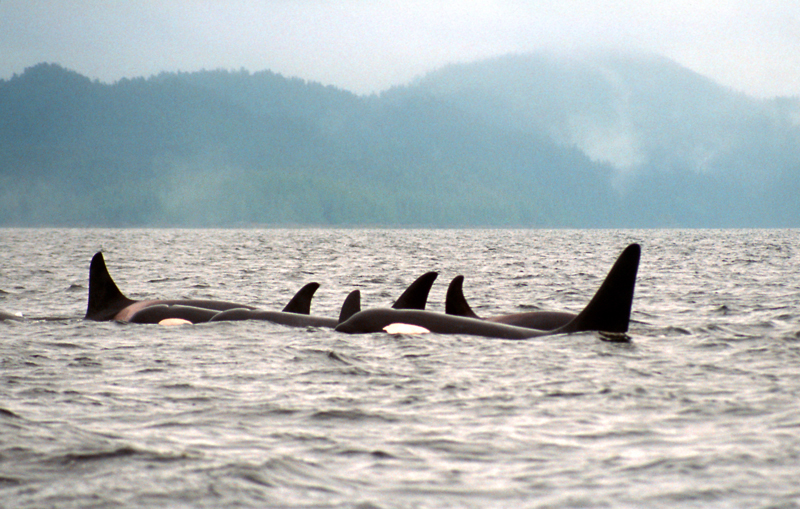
(701, 409)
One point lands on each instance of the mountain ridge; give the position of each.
(522, 141)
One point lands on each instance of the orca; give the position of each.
(163, 310)
(608, 311)
(11, 317)
(352, 304)
(414, 297)
(107, 302)
(456, 304)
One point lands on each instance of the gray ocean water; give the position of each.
(700, 409)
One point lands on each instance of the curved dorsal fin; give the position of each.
(610, 308)
(105, 298)
(455, 303)
(301, 302)
(416, 295)
(351, 306)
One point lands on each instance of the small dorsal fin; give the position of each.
(416, 295)
(301, 302)
(455, 303)
(105, 298)
(351, 306)
(610, 308)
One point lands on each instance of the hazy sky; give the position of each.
(369, 45)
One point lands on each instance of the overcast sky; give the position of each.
(369, 45)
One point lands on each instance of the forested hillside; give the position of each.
(516, 141)
(684, 150)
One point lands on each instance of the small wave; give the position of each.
(253, 475)
(9, 481)
(179, 386)
(423, 355)
(337, 357)
(288, 472)
(84, 362)
(376, 453)
(284, 472)
(674, 330)
(72, 458)
(349, 415)
(66, 344)
(565, 394)
(463, 449)
(713, 344)
(614, 337)
(722, 310)
(330, 354)
(8, 413)
(151, 370)
(341, 363)
(121, 452)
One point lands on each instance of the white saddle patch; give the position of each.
(405, 328)
(174, 321)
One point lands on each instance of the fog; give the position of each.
(365, 47)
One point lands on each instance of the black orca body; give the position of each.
(107, 302)
(608, 311)
(456, 304)
(279, 317)
(158, 311)
(352, 305)
(414, 297)
(377, 319)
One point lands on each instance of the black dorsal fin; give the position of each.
(351, 306)
(416, 295)
(455, 303)
(301, 302)
(610, 308)
(105, 299)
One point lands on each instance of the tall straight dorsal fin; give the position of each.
(301, 302)
(351, 306)
(416, 295)
(610, 308)
(105, 298)
(455, 303)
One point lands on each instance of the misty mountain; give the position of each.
(684, 150)
(525, 140)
